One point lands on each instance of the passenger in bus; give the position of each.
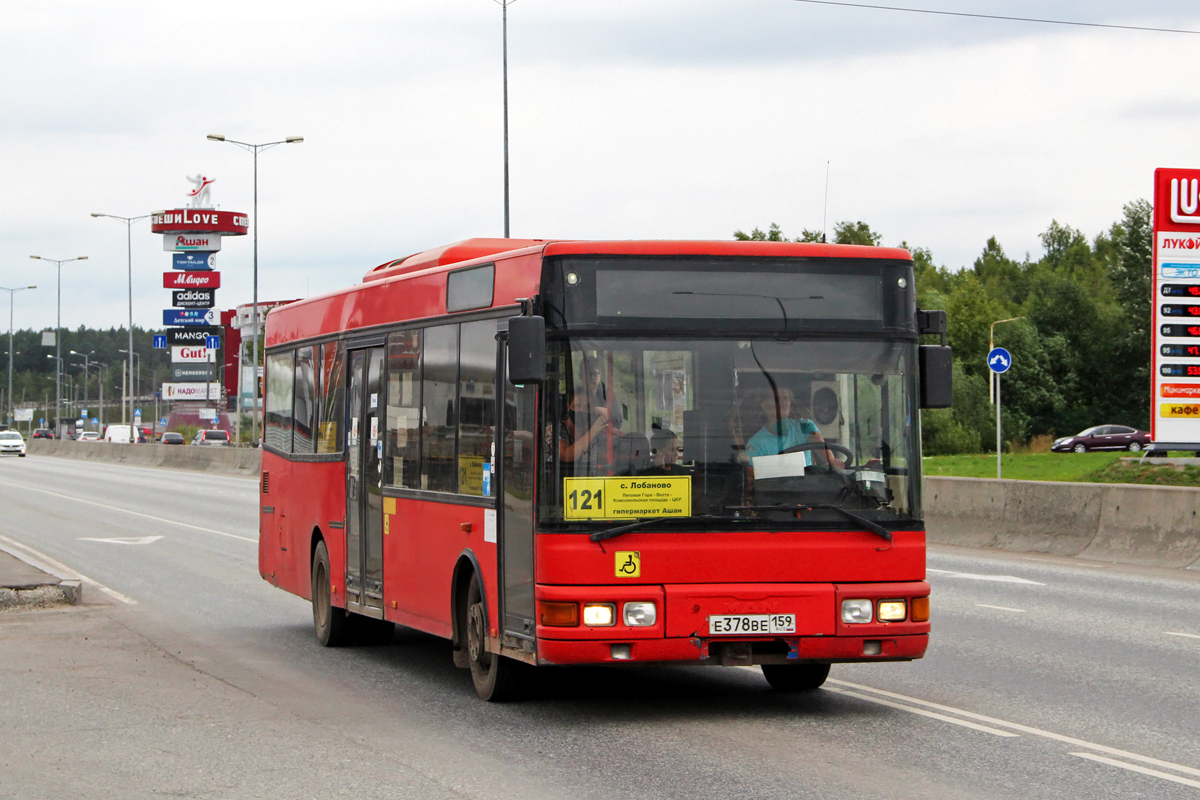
(780, 431)
(664, 453)
(597, 393)
(576, 447)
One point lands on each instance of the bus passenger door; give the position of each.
(518, 440)
(364, 491)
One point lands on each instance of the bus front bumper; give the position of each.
(739, 652)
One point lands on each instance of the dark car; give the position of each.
(43, 433)
(1103, 437)
(171, 437)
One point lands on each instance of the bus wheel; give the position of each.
(333, 625)
(496, 678)
(795, 677)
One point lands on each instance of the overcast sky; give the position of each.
(629, 119)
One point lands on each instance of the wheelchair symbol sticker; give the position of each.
(628, 563)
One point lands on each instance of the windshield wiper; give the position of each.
(873, 527)
(610, 533)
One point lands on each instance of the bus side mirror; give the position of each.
(526, 350)
(936, 365)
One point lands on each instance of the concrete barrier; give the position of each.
(1146, 525)
(1155, 526)
(229, 460)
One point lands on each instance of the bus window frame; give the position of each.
(376, 336)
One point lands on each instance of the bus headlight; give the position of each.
(599, 615)
(639, 615)
(857, 612)
(892, 610)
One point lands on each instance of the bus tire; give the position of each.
(795, 677)
(496, 678)
(333, 625)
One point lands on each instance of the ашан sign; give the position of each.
(202, 242)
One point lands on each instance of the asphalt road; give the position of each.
(1045, 678)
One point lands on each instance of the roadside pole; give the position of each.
(999, 471)
(999, 361)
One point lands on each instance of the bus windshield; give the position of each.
(761, 427)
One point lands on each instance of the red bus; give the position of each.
(574, 452)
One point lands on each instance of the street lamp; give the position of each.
(85, 370)
(129, 256)
(58, 339)
(504, 4)
(255, 149)
(11, 292)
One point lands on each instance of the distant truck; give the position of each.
(123, 434)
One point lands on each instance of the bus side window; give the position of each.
(439, 425)
(280, 373)
(304, 414)
(333, 379)
(476, 405)
(403, 409)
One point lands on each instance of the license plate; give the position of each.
(751, 624)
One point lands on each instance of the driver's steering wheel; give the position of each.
(837, 448)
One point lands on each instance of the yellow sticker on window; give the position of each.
(1176, 410)
(627, 563)
(627, 497)
(389, 508)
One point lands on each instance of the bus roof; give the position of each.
(472, 249)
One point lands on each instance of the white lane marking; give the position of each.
(922, 712)
(1072, 563)
(1188, 635)
(1135, 768)
(59, 570)
(1016, 726)
(1002, 608)
(977, 577)
(123, 540)
(127, 511)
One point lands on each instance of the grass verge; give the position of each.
(1077, 467)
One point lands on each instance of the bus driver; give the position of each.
(780, 432)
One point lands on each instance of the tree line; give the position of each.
(33, 364)
(1080, 343)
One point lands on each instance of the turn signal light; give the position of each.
(920, 609)
(560, 615)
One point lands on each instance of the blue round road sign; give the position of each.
(999, 360)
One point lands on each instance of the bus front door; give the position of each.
(518, 464)
(364, 489)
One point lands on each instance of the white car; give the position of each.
(12, 442)
(88, 436)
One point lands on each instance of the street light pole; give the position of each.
(254, 149)
(58, 342)
(86, 356)
(11, 292)
(504, 4)
(129, 257)
(134, 358)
